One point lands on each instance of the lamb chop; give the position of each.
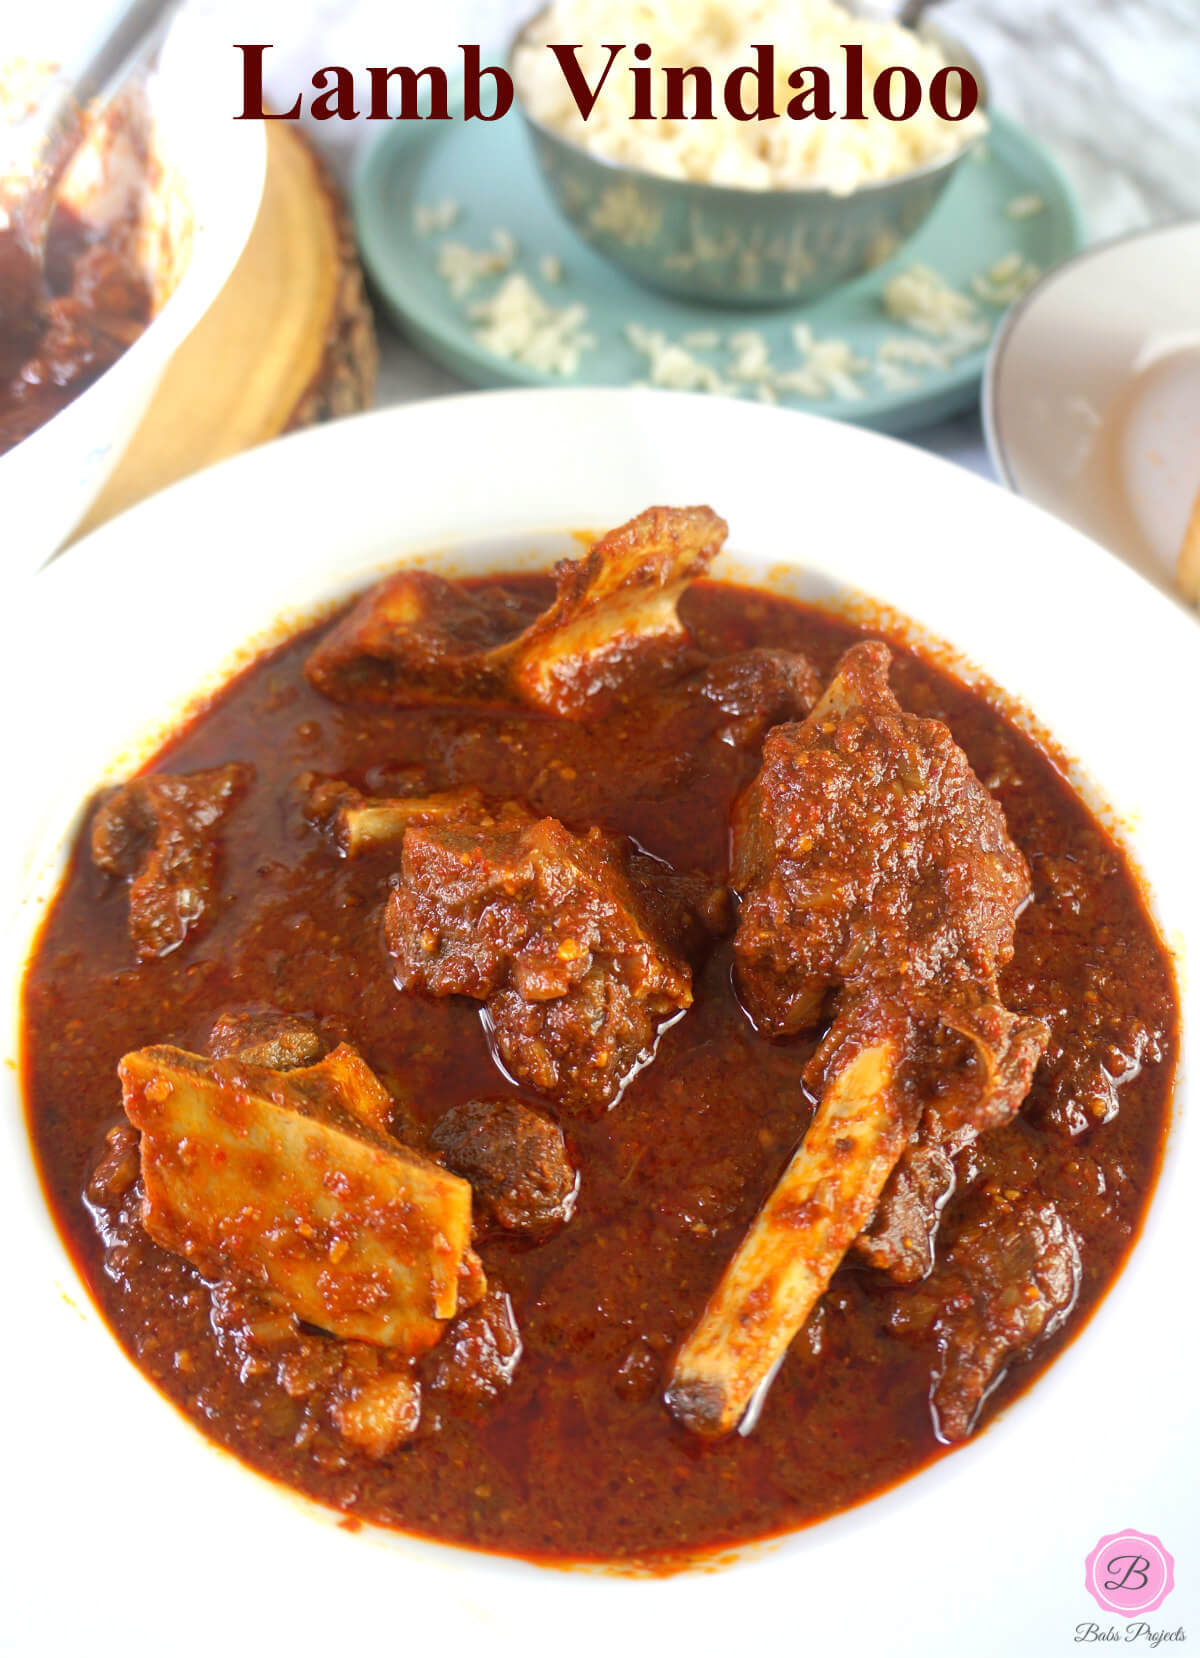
(879, 884)
(418, 638)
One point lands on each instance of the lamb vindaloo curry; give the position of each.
(64, 321)
(523, 1032)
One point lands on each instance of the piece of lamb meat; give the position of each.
(900, 1237)
(878, 883)
(945, 1065)
(1009, 1280)
(480, 1352)
(158, 831)
(575, 948)
(417, 638)
(757, 689)
(872, 861)
(516, 1161)
(265, 1036)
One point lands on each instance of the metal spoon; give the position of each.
(37, 150)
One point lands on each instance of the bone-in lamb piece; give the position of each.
(289, 1184)
(577, 953)
(912, 886)
(794, 1247)
(418, 638)
(615, 611)
(158, 830)
(875, 873)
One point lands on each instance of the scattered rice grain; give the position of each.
(462, 267)
(1025, 207)
(429, 218)
(518, 324)
(922, 300)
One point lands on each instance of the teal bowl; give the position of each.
(732, 246)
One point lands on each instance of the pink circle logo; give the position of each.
(1129, 1572)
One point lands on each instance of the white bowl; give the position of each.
(982, 1554)
(1092, 394)
(199, 195)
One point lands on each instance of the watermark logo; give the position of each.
(1129, 1572)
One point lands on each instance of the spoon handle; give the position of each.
(48, 138)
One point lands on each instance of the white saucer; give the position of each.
(1092, 395)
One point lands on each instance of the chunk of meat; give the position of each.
(481, 1351)
(943, 1065)
(757, 689)
(1008, 1282)
(899, 1238)
(418, 638)
(264, 1036)
(554, 933)
(516, 1161)
(875, 869)
(289, 1184)
(867, 853)
(158, 830)
(877, 878)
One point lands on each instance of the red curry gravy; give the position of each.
(578, 1459)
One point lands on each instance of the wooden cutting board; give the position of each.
(290, 340)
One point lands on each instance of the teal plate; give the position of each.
(490, 172)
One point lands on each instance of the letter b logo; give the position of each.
(1130, 1573)
(1127, 1571)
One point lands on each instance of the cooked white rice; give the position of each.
(755, 155)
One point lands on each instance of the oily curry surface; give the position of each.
(545, 1433)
